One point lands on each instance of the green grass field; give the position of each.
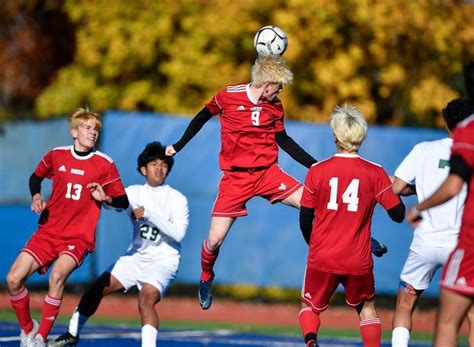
(8, 315)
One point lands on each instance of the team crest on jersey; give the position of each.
(77, 172)
(62, 168)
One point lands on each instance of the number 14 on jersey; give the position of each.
(349, 197)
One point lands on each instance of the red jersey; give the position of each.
(71, 211)
(248, 128)
(463, 146)
(343, 190)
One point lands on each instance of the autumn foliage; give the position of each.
(399, 61)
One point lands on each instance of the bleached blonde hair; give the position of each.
(271, 69)
(82, 115)
(349, 127)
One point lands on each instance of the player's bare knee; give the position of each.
(407, 295)
(367, 310)
(56, 279)
(148, 299)
(14, 281)
(213, 243)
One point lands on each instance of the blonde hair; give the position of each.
(271, 69)
(349, 126)
(82, 115)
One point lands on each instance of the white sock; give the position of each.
(77, 322)
(149, 334)
(400, 337)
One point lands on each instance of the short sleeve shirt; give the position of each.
(344, 190)
(248, 128)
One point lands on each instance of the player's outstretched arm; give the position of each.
(402, 188)
(286, 143)
(193, 128)
(450, 187)
(98, 193)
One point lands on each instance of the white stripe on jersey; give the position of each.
(103, 155)
(466, 121)
(463, 146)
(237, 89)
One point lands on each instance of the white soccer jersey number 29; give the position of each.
(73, 191)
(349, 197)
(255, 118)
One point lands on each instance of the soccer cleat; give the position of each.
(37, 341)
(313, 344)
(205, 294)
(26, 339)
(64, 340)
(378, 249)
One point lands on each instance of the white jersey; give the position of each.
(428, 166)
(164, 223)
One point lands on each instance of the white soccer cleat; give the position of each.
(37, 342)
(26, 339)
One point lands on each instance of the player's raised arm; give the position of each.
(286, 143)
(193, 128)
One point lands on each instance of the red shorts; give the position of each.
(458, 272)
(319, 286)
(46, 249)
(238, 187)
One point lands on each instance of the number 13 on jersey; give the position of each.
(349, 197)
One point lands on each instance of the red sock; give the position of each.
(21, 306)
(208, 259)
(51, 308)
(371, 332)
(309, 322)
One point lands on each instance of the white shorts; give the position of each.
(133, 270)
(422, 264)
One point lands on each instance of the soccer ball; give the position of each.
(270, 40)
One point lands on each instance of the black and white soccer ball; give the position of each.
(270, 40)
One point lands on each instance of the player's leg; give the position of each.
(402, 321)
(22, 268)
(294, 199)
(148, 297)
(452, 310)
(370, 327)
(220, 226)
(318, 287)
(360, 294)
(61, 270)
(470, 320)
(122, 271)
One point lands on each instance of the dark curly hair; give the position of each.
(154, 150)
(456, 110)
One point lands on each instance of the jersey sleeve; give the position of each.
(406, 171)
(309, 192)
(111, 182)
(133, 195)
(463, 145)
(45, 166)
(279, 117)
(215, 105)
(383, 191)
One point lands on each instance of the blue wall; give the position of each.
(265, 249)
